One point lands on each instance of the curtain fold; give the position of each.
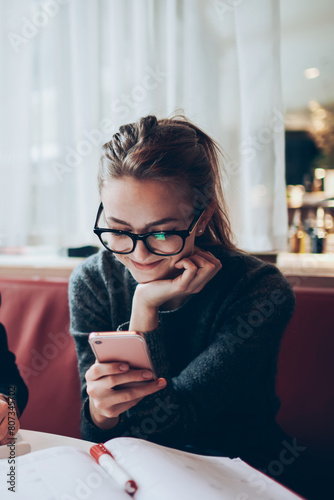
(263, 221)
(73, 71)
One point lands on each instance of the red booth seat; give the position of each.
(35, 314)
(305, 378)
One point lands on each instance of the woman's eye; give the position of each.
(166, 230)
(164, 234)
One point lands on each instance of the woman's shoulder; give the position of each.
(101, 267)
(248, 281)
(238, 259)
(243, 270)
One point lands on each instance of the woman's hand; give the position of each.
(198, 269)
(105, 402)
(9, 422)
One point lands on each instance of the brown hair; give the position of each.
(177, 151)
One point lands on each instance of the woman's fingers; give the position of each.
(207, 255)
(103, 378)
(204, 275)
(209, 267)
(3, 430)
(201, 258)
(9, 423)
(118, 401)
(96, 388)
(99, 370)
(199, 269)
(130, 394)
(194, 272)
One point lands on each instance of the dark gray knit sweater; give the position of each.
(217, 351)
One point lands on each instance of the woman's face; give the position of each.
(140, 205)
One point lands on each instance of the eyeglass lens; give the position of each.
(161, 243)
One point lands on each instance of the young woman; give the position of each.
(213, 317)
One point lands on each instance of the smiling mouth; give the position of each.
(145, 266)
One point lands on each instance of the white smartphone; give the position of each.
(127, 347)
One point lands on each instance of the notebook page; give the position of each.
(60, 473)
(164, 474)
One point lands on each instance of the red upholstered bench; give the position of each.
(35, 314)
(305, 378)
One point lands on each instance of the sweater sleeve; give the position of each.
(243, 340)
(89, 312)
(94, 291)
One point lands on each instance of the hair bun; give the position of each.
(123, 140)
(146, 125)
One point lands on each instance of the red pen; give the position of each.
(104, 458)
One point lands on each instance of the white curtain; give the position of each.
(73, 71)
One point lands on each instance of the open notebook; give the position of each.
(66, 473)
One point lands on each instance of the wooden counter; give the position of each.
(307, 270)
(37, 266)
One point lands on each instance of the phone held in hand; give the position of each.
(126, 347)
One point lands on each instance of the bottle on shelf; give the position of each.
(298, 238)
(329, 226)
(319, 233)
(309, 225)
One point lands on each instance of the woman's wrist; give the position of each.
(144, 318)
(100, 421)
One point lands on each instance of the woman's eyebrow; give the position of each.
(155, 223)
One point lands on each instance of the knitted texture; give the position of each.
(218, 352)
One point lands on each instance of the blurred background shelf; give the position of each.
(301, 269)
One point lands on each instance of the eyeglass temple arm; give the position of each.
(98, 215)
(194, 224)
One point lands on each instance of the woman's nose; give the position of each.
(141, 253)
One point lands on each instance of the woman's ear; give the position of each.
(206, 217)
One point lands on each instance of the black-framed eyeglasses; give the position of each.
(158, 242)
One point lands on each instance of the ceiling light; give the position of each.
(311, 73)
(313, 105)
(319, 173)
